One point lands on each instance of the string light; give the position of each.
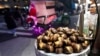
(5, 0)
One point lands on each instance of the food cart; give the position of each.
(82, 28)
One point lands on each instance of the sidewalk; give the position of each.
(18, 47)
(5, 37)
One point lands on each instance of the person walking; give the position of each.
(17, 16)
(9, 20)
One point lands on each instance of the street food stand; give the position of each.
(44, 46)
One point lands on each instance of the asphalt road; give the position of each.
(18, 47)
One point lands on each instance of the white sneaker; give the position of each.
(15, 35)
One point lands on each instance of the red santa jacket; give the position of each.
(32, 15)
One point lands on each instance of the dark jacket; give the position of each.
(9, 20)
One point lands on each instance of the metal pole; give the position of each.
(81, 22)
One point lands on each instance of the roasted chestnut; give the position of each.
(41, 46)
(50, 34)
(69, 33)
(66, 29)
(39, 39)
(76, 34)
(58, 44)
(50, 49)
(68, 50)
(55, 37)
(46, 39)
(73, 38)
(53, 30)
(47, 32)
(50, 29)
(67, 41)
(58, 50)
(85, 44)
(60, 33)
(50, 43)
(77, 48)
(64, 36)
(73, 30)
(60, 29)
(60, 39)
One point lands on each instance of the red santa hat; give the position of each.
(32, 10)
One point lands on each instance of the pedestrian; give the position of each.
(32, 15)
(90, 20)
(17, 16)
(72, 7)
(9, 20)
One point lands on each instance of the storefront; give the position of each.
(43, 11)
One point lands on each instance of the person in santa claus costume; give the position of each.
(32, 16)
(32, 20)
